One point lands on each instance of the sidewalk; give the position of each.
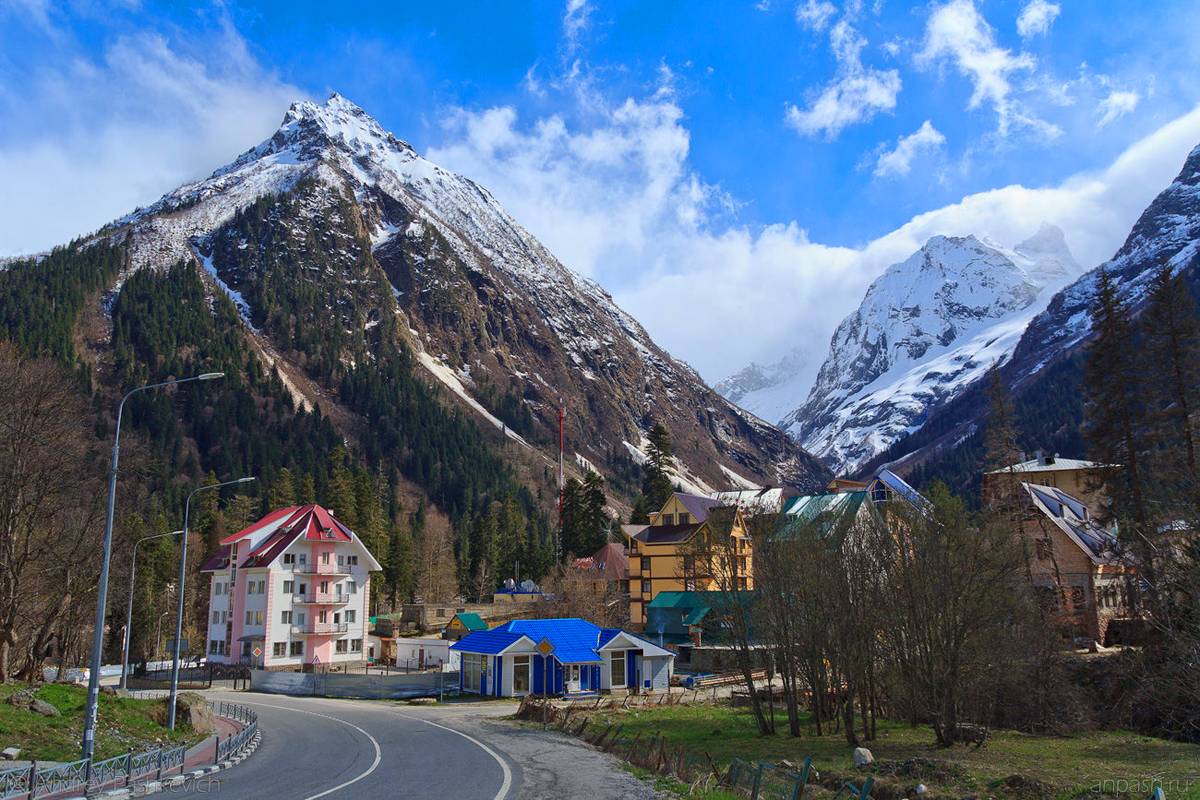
(205, 752)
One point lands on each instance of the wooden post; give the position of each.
(716, 772)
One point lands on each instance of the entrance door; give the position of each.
(573, 683)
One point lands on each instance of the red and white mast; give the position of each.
(561, 416)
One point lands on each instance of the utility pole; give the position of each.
(558, 541)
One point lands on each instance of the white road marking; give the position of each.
(378, 753)
(504, 787)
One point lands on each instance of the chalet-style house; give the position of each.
(678, 551)
(1074, 562)
(290, 591)
(607, 568)
(1074, 476)
(560, 656)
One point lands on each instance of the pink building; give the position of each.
(293, 586)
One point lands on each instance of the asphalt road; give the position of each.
(314, 747)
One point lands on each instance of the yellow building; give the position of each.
(1074, 476)
(679, 552)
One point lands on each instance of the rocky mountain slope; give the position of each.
(769, 392)
(927, 328)
(335, 217)
(1044, 372)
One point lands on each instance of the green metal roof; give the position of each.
(472, 621)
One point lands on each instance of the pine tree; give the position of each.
(1172, 351)
(1116, 411)
(656, 485)
(640, 514)
(306, 491)
(1000, 448)
(596, 521)
(339, 493)
(283, 490)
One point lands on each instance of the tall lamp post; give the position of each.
(187, 507)
(129, 608)
(93, 696)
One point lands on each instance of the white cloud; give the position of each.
(856, 94)
(618, 201)
(1116, 105)
(898, 161)
(958, 33)
(1036, 18)
(576, 19)
(815, 14)
(117, 133)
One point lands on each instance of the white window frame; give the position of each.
(614, 657)
(522, 663)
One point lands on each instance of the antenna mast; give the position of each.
(561, 416)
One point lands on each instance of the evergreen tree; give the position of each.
(398, 567)
(1116, 410)
(306, 490)
(339, 493)
(596, 520)
(1001, 451)
(1172, 380)
(640, 514)
(283, 490)
(656, 485)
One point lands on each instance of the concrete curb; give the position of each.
(176, 781)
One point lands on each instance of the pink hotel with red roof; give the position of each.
(295, 586)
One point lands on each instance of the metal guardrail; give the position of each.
(33, 783)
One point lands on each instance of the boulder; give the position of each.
(40, 706)
(22, 698)
(862, 757)
(190, 708)
(10, 753)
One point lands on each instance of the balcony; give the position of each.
(321, 599)
(320, 569)
(320, 629)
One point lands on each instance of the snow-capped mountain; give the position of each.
(1167, 232)
(926, 329)
(336, 204)
(769, 392)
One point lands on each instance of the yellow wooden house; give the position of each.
(679, 551)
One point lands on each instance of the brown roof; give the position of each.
(611, 561)
(666, 534)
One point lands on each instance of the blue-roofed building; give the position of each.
(560, 656)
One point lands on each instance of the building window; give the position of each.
(341, 561)
(218, 588)
(616, 673)
(470, 672)
(685, 518)
(301, 559)
(645, 587)
(249, 617)
(351, 587)
(324, 587)
(285, 617)
(303, 589)
(299, 617)
(216, 618)
(668, 519)
(250, 588)
(262, 587)
(289, 587)
(520, 675)
(352, 560)
(289, 559)
(325, 557)
(356, 645)
(350, 616)
(279, 649)
(646, 565)
(214, 646)
(340, 646)
(297, 649)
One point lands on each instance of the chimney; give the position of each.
(1040, 458)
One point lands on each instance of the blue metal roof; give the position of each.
(487, 642)
(575, 640)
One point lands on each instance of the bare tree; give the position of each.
(436, 565)
(49, 505)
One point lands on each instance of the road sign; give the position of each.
(183, 645)
(545, 646)
(315, 659)
(257, 652)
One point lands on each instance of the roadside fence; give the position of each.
(33, 782)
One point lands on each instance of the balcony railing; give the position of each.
(320, 628)
(320, 569)
(321, 599)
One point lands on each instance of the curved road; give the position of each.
(314, 747)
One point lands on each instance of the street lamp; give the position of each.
(129, 608)
(187, 507)
(93, 697)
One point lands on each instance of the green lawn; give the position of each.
(1086, 765)
(123, 724)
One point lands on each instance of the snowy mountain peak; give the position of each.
(927, 328)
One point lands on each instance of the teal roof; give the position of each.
(472, 621)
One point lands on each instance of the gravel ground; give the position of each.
(552, 765)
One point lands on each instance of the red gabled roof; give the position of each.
(219, 561)
(311, 522)
(262, 523)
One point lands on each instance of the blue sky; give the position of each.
(752, 160)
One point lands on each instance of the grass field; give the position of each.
(1087, 765)
(123, 724)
